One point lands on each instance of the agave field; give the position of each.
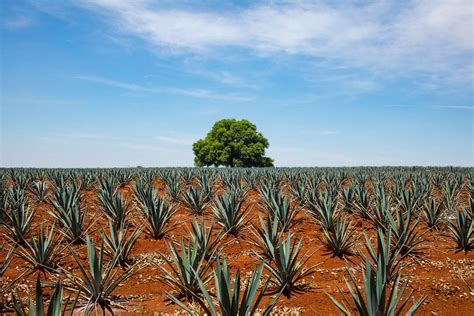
(230, 241)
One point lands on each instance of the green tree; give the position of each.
(232, 143)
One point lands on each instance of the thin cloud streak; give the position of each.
(196, 93)
(176, 140)
(452, 107)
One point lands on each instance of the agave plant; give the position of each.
(123, 176)
(187, 175)
(3, 205)
(381, 210)
(18, 222)
(405, 232)
(433, 213)
(88, 181)
(279, 208)
(462, 229)
(144, 192)
(16, 196)
(348, 197)
(269, 192)
(55, 305)
(266, 237)
(298, 190)
(57, 180)
(195, 200)
(362, 203)
(66, 196)
(379, 296)
(230, 181)
(288, 266)
(386, 253)
(188, 266)
(341, 239)
(40, 191)
(252, 180)
(324, 211)
(73, 222)
(20, 180)
(451, 194)
(230, 299)
(421, 189)
(108, 188)
(437, 179)
(202, 237)
(116, 208)
(6, 259)
(173, 187)
(119, 244)
(230, 213)
(42, 251)
(96, 284)
(205, 183)
(157, 213)
(408, 201)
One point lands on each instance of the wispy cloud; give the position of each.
(55, 102)
(15, 16)
(176, 140)
(71, 136)
(375, 35)
(458, 107)
(114, 83)
(453, 107)
(196, 93)
(17, 22)
(85, 137)
(328, 132)
(227, 78)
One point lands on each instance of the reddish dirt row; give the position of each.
(445, 276)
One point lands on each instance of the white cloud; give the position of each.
(114, 83)
(196, 93)
(328, 132)
(459, 107)
(17, 22)
(227, 78)
(453, 107)
(431, 36)
(176, 140)
(55, 102)
(15, 16)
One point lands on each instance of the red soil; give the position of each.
(442, 274)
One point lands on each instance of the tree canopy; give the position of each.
(232, 143)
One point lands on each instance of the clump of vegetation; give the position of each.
(156, 211)
(187, 268)
(462, 229)
(381, 291)
(195, 200)
(56, 307)
(232, 143)
(96, 284)
(229, 212)
(42, 251)
(288, 266)
(231, 299)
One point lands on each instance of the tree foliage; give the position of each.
(232, 143)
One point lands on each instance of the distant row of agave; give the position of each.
(399, 205)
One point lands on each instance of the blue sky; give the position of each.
(102, 83)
